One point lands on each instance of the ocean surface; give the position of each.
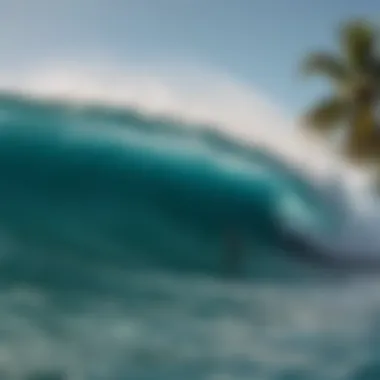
(114, 229)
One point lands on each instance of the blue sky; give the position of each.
(257, 41)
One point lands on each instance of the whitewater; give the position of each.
(112, 224)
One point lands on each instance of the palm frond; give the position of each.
(325, 64)
(363, 137)
(355, 72)
(358, 44)
(326, 115)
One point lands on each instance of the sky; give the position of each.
(258, 42)
(232, 63)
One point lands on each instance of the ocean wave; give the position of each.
(113, 228)
(142, 189)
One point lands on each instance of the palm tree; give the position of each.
(354, 74)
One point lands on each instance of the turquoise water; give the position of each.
(113, 230)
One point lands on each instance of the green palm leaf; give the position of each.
(358, 44)
(355, 75)
(327, 114)
(325, 64)
(362, 139)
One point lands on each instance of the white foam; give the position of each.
(268, 328)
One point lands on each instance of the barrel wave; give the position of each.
(111, 218)
(148, 191)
